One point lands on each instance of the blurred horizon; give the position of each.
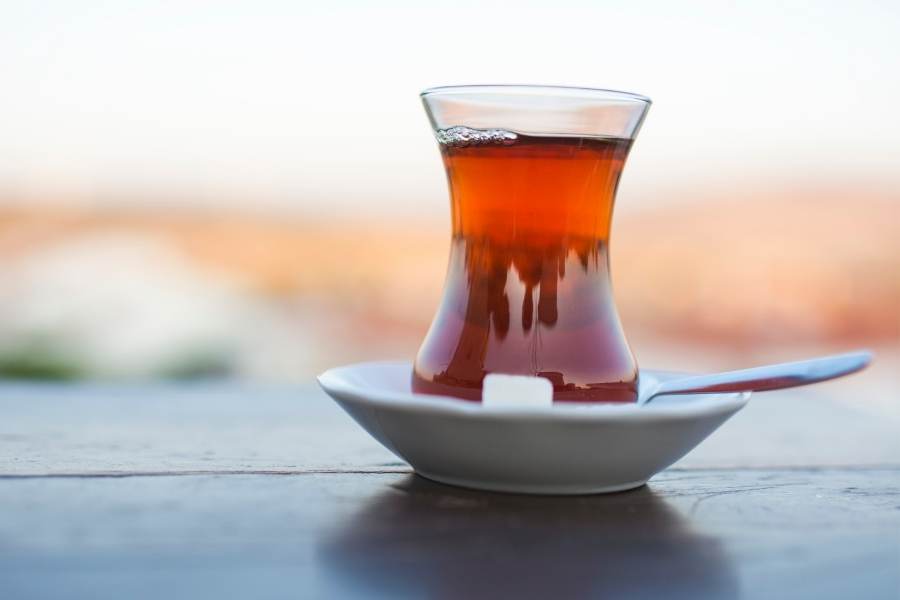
(251, 190)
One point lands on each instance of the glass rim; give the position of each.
(535, 90)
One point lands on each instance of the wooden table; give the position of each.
(225, 490)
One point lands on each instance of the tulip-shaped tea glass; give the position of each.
(533, 172)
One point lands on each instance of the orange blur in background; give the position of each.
(718, 276)
(253, 193)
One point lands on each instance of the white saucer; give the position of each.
(560, 449)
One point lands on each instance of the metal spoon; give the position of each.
(760, 379)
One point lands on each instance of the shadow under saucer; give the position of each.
(427, 539)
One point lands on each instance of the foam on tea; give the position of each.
(460, 137)
(527, 289)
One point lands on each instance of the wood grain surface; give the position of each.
(220, 490)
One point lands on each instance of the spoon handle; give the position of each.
(770, 377)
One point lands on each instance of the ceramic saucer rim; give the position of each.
(334, 381)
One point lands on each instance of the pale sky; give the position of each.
(314, 106)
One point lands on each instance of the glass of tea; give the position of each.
(532, 172)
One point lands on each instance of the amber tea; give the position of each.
(528, 287)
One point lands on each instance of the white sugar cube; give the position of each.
(516, 391)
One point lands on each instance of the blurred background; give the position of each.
(250, 189)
